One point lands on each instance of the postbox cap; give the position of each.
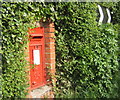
(36, 31)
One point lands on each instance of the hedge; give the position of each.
(87, 65)
(86, 53)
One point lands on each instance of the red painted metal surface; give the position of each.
(37, 58)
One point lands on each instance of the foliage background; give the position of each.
(88, 63)
(87, 67)
(116, 19)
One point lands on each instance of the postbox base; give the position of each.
(42, 92)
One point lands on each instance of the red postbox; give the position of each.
(37, 57)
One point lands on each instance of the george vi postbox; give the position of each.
(37, 57)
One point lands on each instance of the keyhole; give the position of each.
(36, 47)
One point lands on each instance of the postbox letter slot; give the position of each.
(36, 57)
(37, 37)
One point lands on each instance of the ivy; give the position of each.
(15, 26)
(86, 54)
(87, 64)
(16, 19)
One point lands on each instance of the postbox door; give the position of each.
(37, 71)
